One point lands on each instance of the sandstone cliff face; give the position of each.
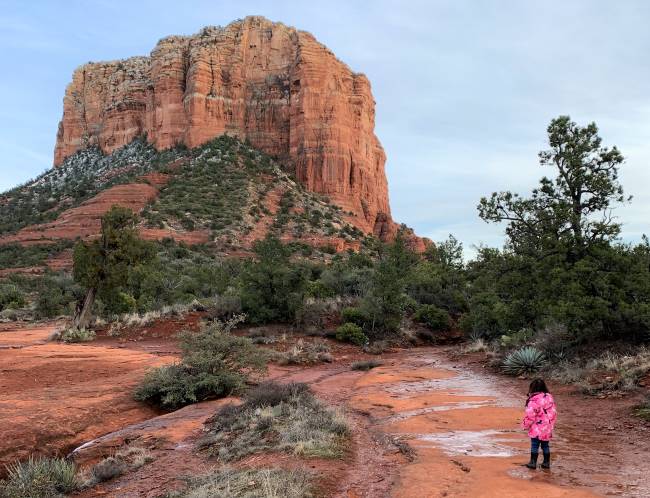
(265, 82)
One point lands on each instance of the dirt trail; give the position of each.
(463, 428)
(422, 426)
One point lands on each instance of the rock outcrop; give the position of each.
(264, 82)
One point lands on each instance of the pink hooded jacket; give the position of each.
(540, 416)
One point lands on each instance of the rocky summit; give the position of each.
(271, 85)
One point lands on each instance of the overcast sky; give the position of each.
(464, 89)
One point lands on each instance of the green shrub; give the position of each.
(73, 335)
(214, 363)
(433, 317)
(643, 409)
(318, 289)
(524, 361)
(466, 324)
(11, 297)
(272, 286)
(174, 386)
(121, 303)
(39, 478)
(517, 338)
(350, 332)
(354, 315)
(57, 295)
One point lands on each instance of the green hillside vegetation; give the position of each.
(562, 283)
(224, 187)
(80, 177)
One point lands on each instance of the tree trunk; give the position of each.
(82, 318)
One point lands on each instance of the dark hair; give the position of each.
(537, 386)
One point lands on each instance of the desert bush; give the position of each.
(214, 363)
(350, 332)
(276, 418)
(642, 410)
(11, 297)
(271, 393)
(312, 313)
(377, 347)
(318, 290)
(39, 478)
(555, 340)
(306, 353)
(627, 369)
(433, 317)
(134, 456)
(127, 458)
(518, 338)
(225, 305)
(9, 314)
(248, 483)
(386, 299)
(107, 469)
(173, 386)
(271, 286)
(56, 295)
(476, 346)
(354, 315)
(568, 372)
(524, 361)
(73, 335)
(365, 365)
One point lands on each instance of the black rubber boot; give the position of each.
(546, 464)
(533, 461)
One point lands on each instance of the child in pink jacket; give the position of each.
(539, 421)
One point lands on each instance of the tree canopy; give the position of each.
(102, 266)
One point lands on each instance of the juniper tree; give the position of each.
(571, 211)
(102, 266)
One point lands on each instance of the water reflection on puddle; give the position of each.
(488, 443)
(462, 382)
(461, 405)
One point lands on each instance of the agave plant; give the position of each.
(523, 361)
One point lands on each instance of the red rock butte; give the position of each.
(260, 81)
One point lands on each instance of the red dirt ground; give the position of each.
(423, 426)
(56, 396)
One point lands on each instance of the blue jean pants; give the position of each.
(535, 444)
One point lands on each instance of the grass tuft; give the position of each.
(643, 410)
(365, 365)
(248, 483)
(276, 417)
(306, 353)
(39, 478)
(74, 335)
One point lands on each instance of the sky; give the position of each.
(464, 88)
